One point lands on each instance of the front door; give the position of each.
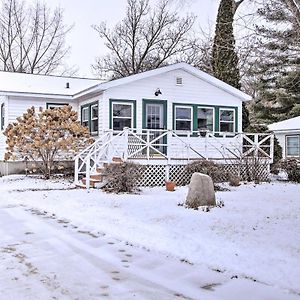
(155, 118)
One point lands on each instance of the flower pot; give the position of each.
(170, 186)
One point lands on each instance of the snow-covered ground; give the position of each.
(248, 249)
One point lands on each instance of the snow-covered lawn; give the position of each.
(254, 236)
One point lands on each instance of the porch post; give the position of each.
(88, 172)
(76, 175)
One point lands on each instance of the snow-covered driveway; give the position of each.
(76, 245)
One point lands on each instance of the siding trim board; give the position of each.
(216, 109)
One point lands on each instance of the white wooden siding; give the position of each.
(193, 91)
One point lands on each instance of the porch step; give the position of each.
(93, 182)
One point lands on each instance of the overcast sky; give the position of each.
(84, 41)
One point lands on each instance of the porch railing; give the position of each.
(169, 146)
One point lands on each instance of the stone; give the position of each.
(201, 191)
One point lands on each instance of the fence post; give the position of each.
(76, 175)
(126, 133)
(148, 144)
(88, 172)
(272, 148)
(167, 172)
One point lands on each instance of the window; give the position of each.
(55, 105)
(122, 115)
(2, 116)
(94, 118)
(205, 118)
(292, 145)
(89, 117)
(183, 118)
(227, 120)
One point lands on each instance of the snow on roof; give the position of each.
(290, 124)
(184, 66)
(43, 84)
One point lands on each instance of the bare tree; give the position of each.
(32, 38)
(147, 38)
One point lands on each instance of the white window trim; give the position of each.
(227, 109)
(191, 120)
(112, 112)
(286, 145)
(214, 116)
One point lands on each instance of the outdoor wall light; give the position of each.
(157, 92)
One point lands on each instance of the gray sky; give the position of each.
(84, 41)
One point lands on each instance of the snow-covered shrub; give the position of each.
(123, 177)
(292, 167)
(206, 167)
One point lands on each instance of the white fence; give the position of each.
(168, 147)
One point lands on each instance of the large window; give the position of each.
(122, 115)
(2, 116)
(227, 120)
(183, 118)
(205, 118)
(293, 145)
(89, 117)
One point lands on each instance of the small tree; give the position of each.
(46, 136)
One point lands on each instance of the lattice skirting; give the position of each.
(154, 175)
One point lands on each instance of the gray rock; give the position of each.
(201, 191)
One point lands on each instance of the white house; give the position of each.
(288, 135)
(165, 109)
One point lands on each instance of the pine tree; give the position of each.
(278, 71)
(224, 57)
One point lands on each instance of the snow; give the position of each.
(44, 84)
(248, 249)
(290, 124)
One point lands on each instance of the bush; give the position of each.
(292, 167)
(234, 180)
(206, 167)
(123, 177)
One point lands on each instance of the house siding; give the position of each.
(192, 91)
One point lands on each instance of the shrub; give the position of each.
(206, 167)
(46, 137)
(123, 177)
(292, 167)
(234, 180)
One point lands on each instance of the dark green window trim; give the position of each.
(133, 102)
(88, 106)
(216, 114)
(49, 104)
(2, 116)
(154, 101)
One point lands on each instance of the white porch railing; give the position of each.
(170, 147)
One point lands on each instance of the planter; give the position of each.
(170, 186)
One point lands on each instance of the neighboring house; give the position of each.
(178, 97)
(288, 135)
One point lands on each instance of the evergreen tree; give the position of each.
(278, 71)
(224, 57)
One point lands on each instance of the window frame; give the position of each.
(229, 122)
(2, 112)
(191, 115)
(55, 105)
(214, 116)
(88, 107)
(286, 145)
(131, 103)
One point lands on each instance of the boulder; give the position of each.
(201, 191)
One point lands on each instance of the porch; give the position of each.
(167, 150)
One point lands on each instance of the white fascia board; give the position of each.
(37, 95)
